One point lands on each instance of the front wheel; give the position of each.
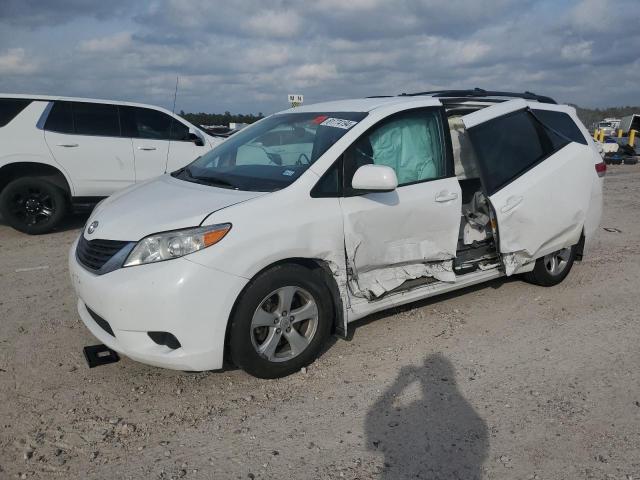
(552, 269)
(33, 205)
(280, 322)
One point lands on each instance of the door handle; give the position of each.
(146, 148)
(67, 145)
(512, 202)
(443, 197)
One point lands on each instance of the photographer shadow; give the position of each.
(429, 432)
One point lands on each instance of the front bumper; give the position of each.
(178, 296)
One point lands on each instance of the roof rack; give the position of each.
(480, 93)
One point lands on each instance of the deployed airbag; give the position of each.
(409, 147)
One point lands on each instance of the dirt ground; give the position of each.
(501, 381)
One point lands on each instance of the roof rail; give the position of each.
(479, 93)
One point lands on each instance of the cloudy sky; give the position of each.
(245, 56)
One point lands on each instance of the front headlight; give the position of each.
(178, 243)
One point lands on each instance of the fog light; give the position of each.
(165, 338)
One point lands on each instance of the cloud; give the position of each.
(110, 44)
(577, 51)
(266, 56)
(314, 73)
(596, 15)
(37, 13)
(14, 61)
(246, 56)
(274, 24)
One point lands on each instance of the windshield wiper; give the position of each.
(209, 180)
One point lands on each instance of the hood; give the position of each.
(214, 141)
(161, 204)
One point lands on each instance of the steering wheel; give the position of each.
(300, 157)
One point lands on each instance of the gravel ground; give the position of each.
(501, 381)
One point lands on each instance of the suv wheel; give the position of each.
(553, 268)
(33, 205)
(280, 322)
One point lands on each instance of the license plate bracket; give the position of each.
(97, 355)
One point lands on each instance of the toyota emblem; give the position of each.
(92, 227)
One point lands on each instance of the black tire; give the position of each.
(33, 205)
(542, 274)
(261, 291)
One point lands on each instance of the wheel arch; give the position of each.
(580, 247)
(320, 266)
(12, 171)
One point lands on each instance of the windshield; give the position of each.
(272, 153)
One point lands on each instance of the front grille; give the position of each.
(102, 323)
(93, 254)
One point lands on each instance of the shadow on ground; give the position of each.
(425, 427)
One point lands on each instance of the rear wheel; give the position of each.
(281, 322)
(33, 205)
(553, 268)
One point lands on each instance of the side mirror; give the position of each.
(375, 178)
(196, 139)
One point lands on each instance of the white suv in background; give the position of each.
(59, 152)
(320, 215)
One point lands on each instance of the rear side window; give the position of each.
(561, 123)
(10, 108)
(152, 124)
(510, 145)
(60, 118)
(97, 119)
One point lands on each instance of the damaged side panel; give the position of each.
(378, 282)
(538, 180)
(528, 228)
(402, 235)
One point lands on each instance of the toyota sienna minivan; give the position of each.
(320, 215)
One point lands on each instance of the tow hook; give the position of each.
(97, 355)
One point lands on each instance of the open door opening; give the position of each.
(477, 238)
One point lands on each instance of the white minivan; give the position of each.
(320, 215)
(57, 153)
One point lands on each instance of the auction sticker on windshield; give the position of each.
(338, 123)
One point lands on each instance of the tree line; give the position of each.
(219, 118)
(589, 116)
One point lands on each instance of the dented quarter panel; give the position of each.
(594, 211)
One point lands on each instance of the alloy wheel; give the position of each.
(556, 262)
(284, 324)
(32, 205)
